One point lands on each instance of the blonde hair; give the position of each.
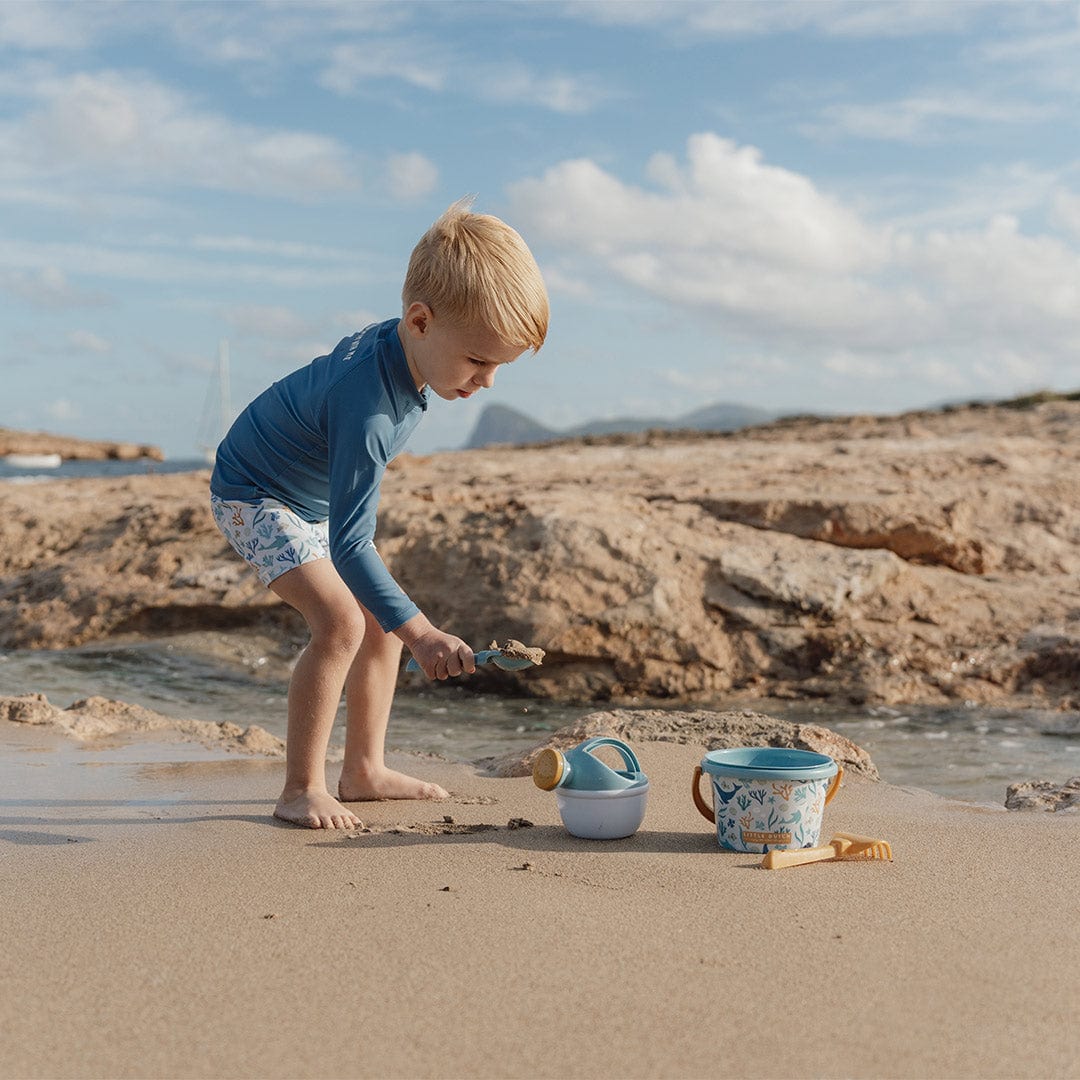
(473, 270)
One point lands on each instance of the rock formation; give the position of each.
(97, 717)
(40, 442)
(1044, 795)
(706, 728)
(928, 558)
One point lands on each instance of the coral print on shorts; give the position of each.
(269, 536)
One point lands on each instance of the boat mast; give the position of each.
(217, 408)
(223, 387)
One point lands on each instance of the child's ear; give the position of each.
(417, 318)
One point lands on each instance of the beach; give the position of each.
(159, 923)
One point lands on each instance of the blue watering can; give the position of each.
(581, 770)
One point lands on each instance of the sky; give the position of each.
(807, 206)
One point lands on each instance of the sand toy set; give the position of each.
(766, 800)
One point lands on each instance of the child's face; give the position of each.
(454, 362)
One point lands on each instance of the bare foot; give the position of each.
(387, 784)
(315, 810)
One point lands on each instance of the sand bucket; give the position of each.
(767, 797)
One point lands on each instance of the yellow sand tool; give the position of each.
(842, 846)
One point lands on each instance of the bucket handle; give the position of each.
(834, 787)
(699, 802)
(710, 815)
(629, 757)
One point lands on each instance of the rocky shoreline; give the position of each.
(95, 719)
(931, 558)
(41, 442)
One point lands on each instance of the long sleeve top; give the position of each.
(319, 441)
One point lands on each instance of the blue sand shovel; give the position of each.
(489, 656)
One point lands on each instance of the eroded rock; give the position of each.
(98, 717)
(1044, 795)
(711, 730)
(928, 559)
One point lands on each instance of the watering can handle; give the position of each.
(699, 802)
(629, 758)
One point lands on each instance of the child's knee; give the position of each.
(344, 632)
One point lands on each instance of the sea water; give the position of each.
(965, 753)
(76, 469)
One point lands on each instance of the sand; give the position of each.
(157, 922)
(517, 651)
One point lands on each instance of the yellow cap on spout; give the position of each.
(548, 769)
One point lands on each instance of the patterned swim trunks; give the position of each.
(269, 536)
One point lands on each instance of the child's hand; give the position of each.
(440, 656)
(444, 656)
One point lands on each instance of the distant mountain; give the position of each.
(502, 424)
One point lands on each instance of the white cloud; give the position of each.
(926, 118)
(558, 281)
(1066, 208)
(727, 234)
(965, 200)
(351, 321)
(1002, 285)
(266, 321)
(1038, 49)
(724, 199)
(516, 84)
(688, 19)
(62, 409)
(38, 26)
(410, 176)
(438, 69)
(765, 256)
(49, 287)
(412, 62)
(278, 249)
(88, 341)
(751, 371)
(135, 130)
(855, 365)
(157, 264)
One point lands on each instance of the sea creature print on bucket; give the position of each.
(781, 796)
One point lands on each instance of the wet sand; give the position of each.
(157, 922)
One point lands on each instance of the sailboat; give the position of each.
(217, 412)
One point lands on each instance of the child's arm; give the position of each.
(441, 656)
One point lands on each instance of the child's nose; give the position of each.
(486, 377)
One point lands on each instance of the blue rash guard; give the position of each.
(319, 441)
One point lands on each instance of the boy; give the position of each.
(295, 489)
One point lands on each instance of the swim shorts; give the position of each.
(269, 536)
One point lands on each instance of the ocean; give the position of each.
(971, 754)
(968, 753)
(68, 470)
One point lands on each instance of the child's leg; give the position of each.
(369, 692)
(336, 623)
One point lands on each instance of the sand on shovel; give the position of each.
(516, 651)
